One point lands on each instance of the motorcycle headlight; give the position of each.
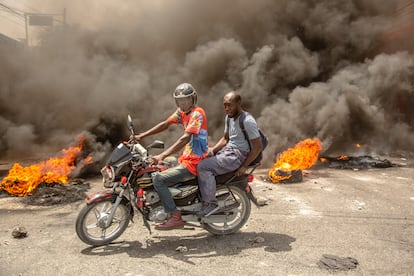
(108, 175)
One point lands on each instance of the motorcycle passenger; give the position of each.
(232, 152)
(194, 145)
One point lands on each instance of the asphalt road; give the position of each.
(364, 214)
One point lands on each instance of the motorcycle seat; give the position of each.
(220, 179)
(223, 178)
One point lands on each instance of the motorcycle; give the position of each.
(128, 172)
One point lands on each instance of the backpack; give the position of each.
(262, 137)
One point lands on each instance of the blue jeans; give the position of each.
(168, 177)
(226, 160)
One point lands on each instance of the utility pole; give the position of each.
(27, 33)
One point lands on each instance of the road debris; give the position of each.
(181, 248)
(332, 262)
(19, 232)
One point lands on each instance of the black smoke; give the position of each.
(304, 69)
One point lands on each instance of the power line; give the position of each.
(10, 9)
(13, 14)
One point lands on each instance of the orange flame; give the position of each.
(357, 145)
(302, 156)
(21, 181)
(342, 157)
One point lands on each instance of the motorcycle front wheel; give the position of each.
(229, 220)
(91, 223)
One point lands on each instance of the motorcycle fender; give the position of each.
(108, 195)
(100, 196)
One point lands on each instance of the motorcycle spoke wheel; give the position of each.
(234, 218)
(91, 223)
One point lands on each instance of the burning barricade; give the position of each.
(22, 181)
(288, 168)
(361, 161)
(355, 162)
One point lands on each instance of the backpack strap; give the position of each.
(228, 124)
(241, 123)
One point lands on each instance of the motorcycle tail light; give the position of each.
(250, 178)
(124, 180)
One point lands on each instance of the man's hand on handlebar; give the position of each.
(136, 138)
(156, 159)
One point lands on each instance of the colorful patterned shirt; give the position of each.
(196, 149)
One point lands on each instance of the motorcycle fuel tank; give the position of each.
(120, 154)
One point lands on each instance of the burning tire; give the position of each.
(235, 217)
(91, 224)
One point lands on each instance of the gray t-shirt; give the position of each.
(236, 136)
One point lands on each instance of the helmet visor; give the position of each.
(185, 104)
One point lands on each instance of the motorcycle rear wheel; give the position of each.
(236, 217)
(90, 226)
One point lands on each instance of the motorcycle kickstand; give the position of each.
(146, 224)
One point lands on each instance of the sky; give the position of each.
(12, 24)
(304, 69)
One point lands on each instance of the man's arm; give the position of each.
(220, 144)
(179, 144)
(256, 148)
(156, 129)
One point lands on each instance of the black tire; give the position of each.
(236, 217)
(88, 226)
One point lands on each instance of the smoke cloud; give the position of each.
(304, 69)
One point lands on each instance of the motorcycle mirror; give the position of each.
(130, 125)
(157, 144)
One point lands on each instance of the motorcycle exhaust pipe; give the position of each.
(252, 197)
(250, 194)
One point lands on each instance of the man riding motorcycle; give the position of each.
(194, 142)
(233, 152)
(138, 185)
